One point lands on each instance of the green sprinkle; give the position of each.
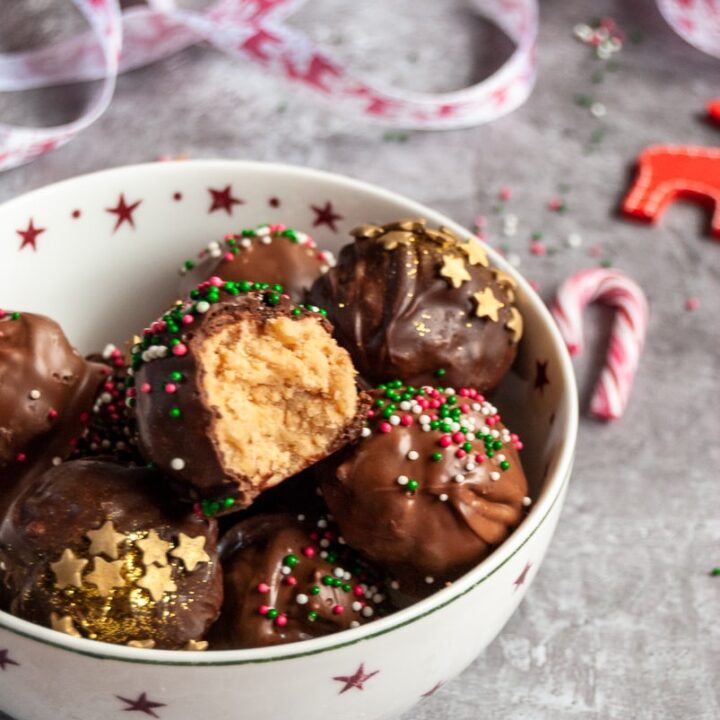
(175, 412)
(296, 311)
(272, 613)
(436, 457)
(290, 560)
(715, 572)
(245, 286)
(229, 502)
(188, 264)
(440, 372)
(312, 616)
(347, 587)
(315, 590)
(272, 298)
(497, 445)
(278, 288)
(412, 485)
(504, 465)
(327, 579)
(176, 376)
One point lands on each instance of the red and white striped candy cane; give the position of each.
(613, 288)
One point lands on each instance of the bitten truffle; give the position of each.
(46, 392)
(97, 550)
(268, 253)
(432, 487)
(288, 578)
(237, 390)
(415, 303)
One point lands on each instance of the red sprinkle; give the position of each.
(52, 413)
(385, 427)
(180, 350)
(264, 609)
(445, 441)
(263, 587)
(281, 620)
(21, 457)
(308, 551)
(145, 387)
(291, 580)
(692, 303)
(170, 388)
(338, 609)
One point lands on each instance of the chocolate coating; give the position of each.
(46, 391)
(151, 575)
(185, 448)
(268, 253)
(414, 303)
(274, 562)
(428, 504)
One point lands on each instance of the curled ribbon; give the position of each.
(121, 41)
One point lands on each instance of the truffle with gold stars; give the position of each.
(419, 303)
(100, 550)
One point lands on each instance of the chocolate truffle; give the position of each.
(46, 391)
(111, 429)
(237, 390)
(432, 487)
(96, 550)
(287, 579)
(416, 303)
(269, 253)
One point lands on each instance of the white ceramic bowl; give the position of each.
(102, 274)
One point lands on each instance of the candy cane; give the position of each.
(613, 288)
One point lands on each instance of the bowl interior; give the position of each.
(100, 254)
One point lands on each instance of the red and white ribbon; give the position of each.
(613, 288)
(696, 21)
(254, 29)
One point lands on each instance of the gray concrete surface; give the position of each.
(622, 621)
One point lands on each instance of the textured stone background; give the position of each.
(622, 621)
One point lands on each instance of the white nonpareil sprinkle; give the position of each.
(35, 394)
(514, 259)
(413, 455)
(443, 497)
(459, 478)
(301, 599)
(378, 598)
(202, 307)
(527, 501)
(598, 110)
(394, 420)
(338, 572)
(367, 611)
(301, 517)
(500, 458)
(266, 239)
(322, 523)
(108, 351)
(325, 543)
(424, 419)
(245, 243)
(56, 460)
(470, 465)
(356, 606)
(285, 570)
(405, 405)
(403, 480)
(177, 464)
(494, 476)
(574, 240)
(429, 579)
(354, 624)
(366, 432)
(395, 585)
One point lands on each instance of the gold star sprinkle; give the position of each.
(145, 644)
(68, 570)
(475, 252)
(411, 224)
(515, 324)
(154, 549)
(157, 581)
(106, 576)
(196, 645)
(105, 540)
(64, 624)
(454, 270)
(191, 551)
(487, 304)
(366, 232)
(394, 238)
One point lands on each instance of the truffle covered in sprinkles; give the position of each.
(237, 389)
(407, 300)
(432, 486)
(267, 253)
(289, 578)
